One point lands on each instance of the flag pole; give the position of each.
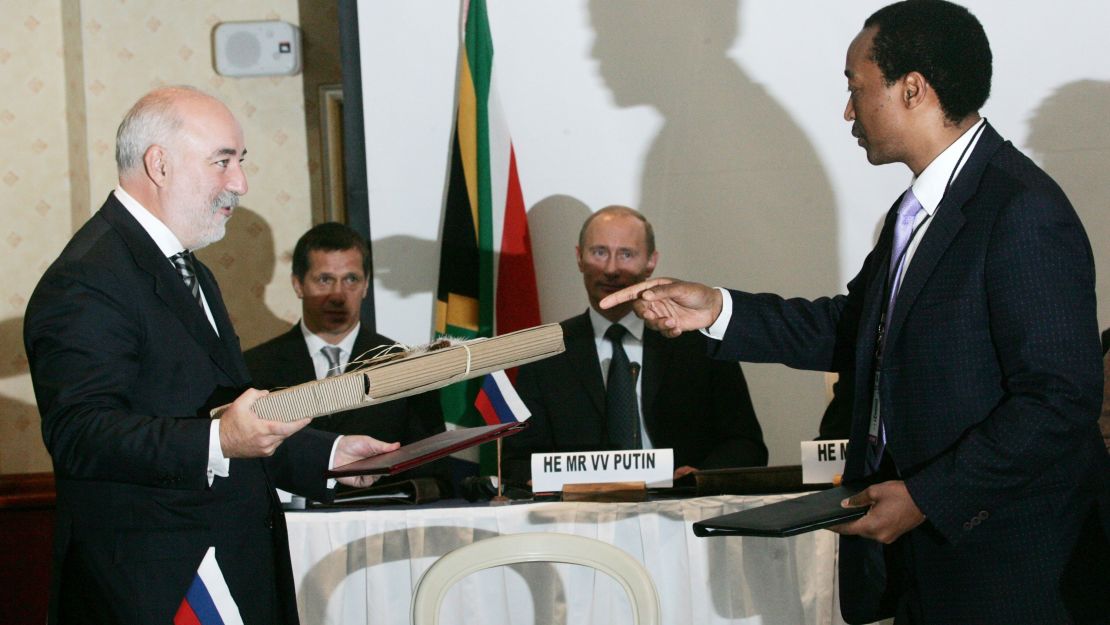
(500, 499)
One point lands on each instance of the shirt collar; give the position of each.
(163, 237)
(633, 324)
(315, 343)
(930, 186)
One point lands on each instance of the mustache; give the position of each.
(229, 199)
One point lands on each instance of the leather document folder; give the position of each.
(786, 518)
(427, 450)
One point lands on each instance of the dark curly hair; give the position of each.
(942, 41)
(329, 237)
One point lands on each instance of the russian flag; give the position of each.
(208, 600)
(498, 401)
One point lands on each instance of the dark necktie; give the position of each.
(620, 395)
(183, 262)
(331, 352)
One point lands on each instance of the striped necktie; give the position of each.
(331, 353)
(183, 262)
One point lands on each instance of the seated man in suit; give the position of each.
(331, 265)
(682, 399)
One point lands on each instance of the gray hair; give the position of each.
(152, 120)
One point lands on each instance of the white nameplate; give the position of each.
(654, 467)
(823, 461)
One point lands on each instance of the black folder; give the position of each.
(786, 518)
(426, 450)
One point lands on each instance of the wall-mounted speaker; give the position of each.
(270, 48)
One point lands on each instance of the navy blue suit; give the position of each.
(124, 364)
(990, 395)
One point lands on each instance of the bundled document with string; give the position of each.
(401, 371)
(404, 371)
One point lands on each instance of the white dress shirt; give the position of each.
(163, 237)
(316, 344)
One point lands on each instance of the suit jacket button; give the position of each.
(983, 515)
(967, 526)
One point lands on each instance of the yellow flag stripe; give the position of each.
(467, 129)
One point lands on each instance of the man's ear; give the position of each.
(652, 261)
(298, 288)
(155, 164)
(578, 258)
(914, 89)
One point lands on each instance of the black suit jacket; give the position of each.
(691, 403)
(990, 391)
(124, 363)
(284, 361)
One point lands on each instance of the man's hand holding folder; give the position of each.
(892, 513)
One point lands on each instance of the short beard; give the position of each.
(212, 232)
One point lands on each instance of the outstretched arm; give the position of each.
(670, 306)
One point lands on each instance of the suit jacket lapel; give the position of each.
(172, 291)
(295, 358)
(873, 298)
(226, 352)
(866, 333)
(947, 222)
(582, 352)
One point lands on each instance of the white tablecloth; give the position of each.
(362, 566)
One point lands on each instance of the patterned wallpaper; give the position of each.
(70, 70)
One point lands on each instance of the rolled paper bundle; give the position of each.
(415, 370)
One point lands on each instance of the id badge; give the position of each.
(873, 428)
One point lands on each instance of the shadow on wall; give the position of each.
(1070, 134)
(554, 223)
(19, 420)
(733, 186)
(395, 258)
(243, 262)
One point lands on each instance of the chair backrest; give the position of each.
(535, 547)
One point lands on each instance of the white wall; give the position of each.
(722, 121)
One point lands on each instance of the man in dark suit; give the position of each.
(129, 344)
(688, 402)
(331, 269)
(974, 346)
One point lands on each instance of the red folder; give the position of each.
(427, 450)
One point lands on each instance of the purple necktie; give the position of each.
(903, 228)
(903, 232)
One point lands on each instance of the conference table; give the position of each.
(362, 566)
